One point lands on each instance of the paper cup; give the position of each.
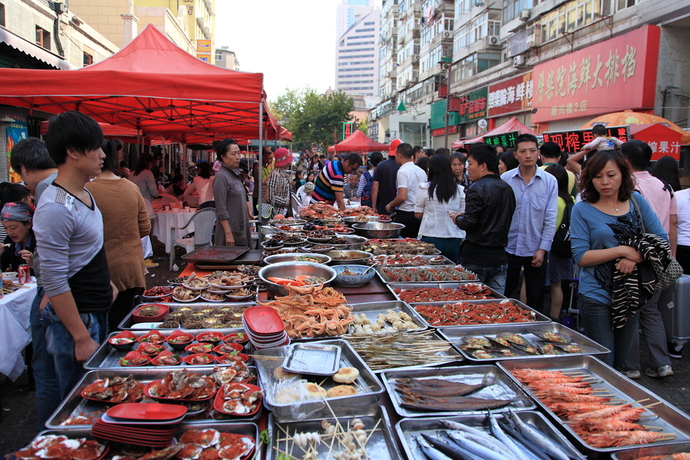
(167, 207)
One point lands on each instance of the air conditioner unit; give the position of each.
(492, 41)
(524, 15)
(519, 61)
(415, 58)
(447, 34)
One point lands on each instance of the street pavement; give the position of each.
(18, 414)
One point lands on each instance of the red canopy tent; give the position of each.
(152, 86)
(511, 125)
(662, 139)
(358, 142)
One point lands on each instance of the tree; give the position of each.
(312, 118)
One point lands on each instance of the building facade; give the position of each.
(357, 56)
(553, 64)
(190, 24)
(348, 12)
(227, 59)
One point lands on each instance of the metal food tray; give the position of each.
(441, 285)
(538, 318)
(128, 324)
(652, 451)
(671, 419)
(381, 445)
(452, 354)
(313, 359)
(373, 309)
(107, 357)
(369, 387)
(429, 267)
(244, 428)
(74, 405)
(215, 254)
(455, 335)
(409, 428)
(445, 260)
(503, 388)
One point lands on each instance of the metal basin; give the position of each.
(355, 242)
(295, 257)
(378, 229)
(361, 257)
(291, 270)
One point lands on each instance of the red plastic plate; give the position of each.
(147, 411)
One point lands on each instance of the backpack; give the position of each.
(366, 191)
(561, 241)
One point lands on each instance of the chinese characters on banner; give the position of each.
(574, 140)
(470, 106)
(16, 131)
(610, 76)
(507, 140)
(511, 95)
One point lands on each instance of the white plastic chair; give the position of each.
(204, 223)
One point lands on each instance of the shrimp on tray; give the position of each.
(677, 456)
(626, 438)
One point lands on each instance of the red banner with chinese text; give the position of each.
(511, 95)
(611, 76)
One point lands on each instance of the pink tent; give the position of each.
(359, 142)
(511, 125)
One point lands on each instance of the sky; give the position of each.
(292, 42)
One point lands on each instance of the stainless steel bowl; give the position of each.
(351, 220)
(362, 259)
(291, 270)
(294, 257)
(355, 242)
(378, 229)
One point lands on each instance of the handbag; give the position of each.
(265, 210)
(664, 278)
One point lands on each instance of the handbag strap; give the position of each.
(639, 212)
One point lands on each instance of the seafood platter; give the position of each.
(519, 341)
(673, 452)
(347, 257)
(297, 257)
(360, 436)
(485, 439)
(600, 410)
(223, 317)
(442, 292)
(322, 212)
(99, 390)
(405, 246)
(403, 350)
(234, 440)
(482, 313)
(402, 260)
(134, 349)
(299, 396)
(392, 316)
(425, 274)
(451, 390)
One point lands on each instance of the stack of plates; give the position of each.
(141, 424)
(264, 327)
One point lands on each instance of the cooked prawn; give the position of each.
(576, 408)
(600, 413)
(678, 456)
(626, 438)
(629, 415)
(556, 396)
(556, 389)
(610, 425)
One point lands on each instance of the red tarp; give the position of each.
(662, 139)
(151, 85)
(511, 125)
(359, 142)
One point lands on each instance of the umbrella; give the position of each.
(628, 117)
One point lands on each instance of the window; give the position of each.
(512, 8)
(622, 4)
(219, 57)
(574, 15)
(2, 15)
(88, 59)
(42, 38)
(473, 64)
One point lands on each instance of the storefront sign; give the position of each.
(15, 132)
(470, 106)
(511, 95)
(610, 76)
(507, 140)
(574, 140)
(203, 46)
(204, 57)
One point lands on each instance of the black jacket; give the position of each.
(489, 207)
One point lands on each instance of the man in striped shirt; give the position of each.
(329, 184)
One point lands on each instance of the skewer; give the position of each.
(650, 405)
(652, 428)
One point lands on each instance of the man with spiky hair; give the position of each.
(69, 237)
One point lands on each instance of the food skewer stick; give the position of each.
(650, 405)
(652, 428)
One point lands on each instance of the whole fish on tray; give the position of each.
(452, 403)
(438, 387)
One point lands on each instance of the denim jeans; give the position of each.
(59, 348)
(449, 247)
(47, 394)
(494, 277)
(596, 319)
(652, 326)
(535, 280)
